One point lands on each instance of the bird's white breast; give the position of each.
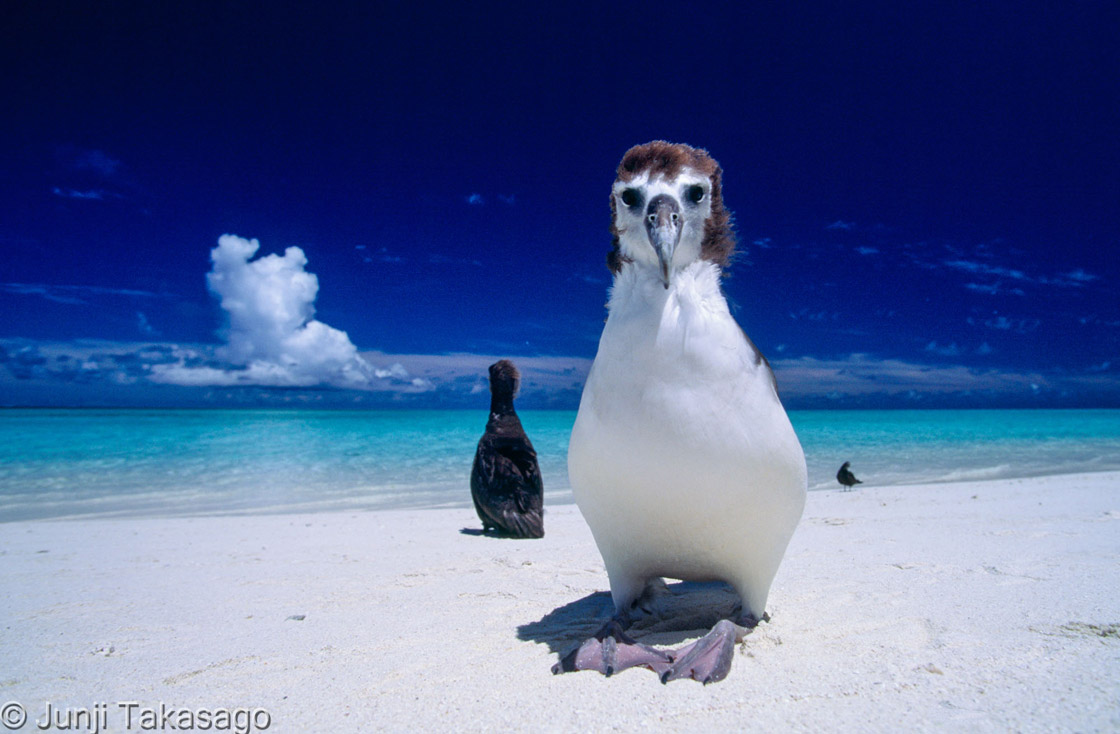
(682, 459)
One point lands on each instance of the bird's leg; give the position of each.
(708, 660)
(611, 650)
(654, 589)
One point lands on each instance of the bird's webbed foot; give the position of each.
(611, 650)
(708, 660)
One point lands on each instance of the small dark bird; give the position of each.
(845, 476)
(506, 481)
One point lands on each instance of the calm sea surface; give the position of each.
(62, 463)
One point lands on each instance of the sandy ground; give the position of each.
(982, 607)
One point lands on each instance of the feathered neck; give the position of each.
(699, 281)
(501, 403)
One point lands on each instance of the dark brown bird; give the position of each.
(506, 480)
(845, 476)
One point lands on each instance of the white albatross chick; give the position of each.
(682, 459)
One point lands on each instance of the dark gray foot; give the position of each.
(610, 651)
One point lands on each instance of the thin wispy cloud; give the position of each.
(441, 259)
(56, 294)
(458, 380)
(993, 289)
(89, 161)
(806, 314)
(73, 294)
(380, 255)
(454, 378)
(589, 278)
(478, 199)
(92, 195)
(989, 268)
(144, 326)
(945, 350)
(841, 225)
(1076, 278)
(1096, 320)
(980, 268)
(87, 175)
(95, 160)
(87, 362)
(1004, 323)
(859, 376)
(418, 379)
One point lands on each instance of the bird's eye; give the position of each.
(630, 198)
(695, 193)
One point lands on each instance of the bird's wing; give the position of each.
(760, 359)
(523, 475)
(507, 471)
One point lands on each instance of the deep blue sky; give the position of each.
(926, 194)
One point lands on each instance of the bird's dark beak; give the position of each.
(663, 227)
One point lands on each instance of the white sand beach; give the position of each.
(988, 606)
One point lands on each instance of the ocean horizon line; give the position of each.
(540, 409)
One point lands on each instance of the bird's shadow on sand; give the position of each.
(480, 533)
(680, 611)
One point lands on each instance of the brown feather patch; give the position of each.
(669, 159)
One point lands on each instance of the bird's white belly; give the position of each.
(670, 502)
(682, 459)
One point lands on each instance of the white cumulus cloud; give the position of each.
(270, 302)
(272, 337)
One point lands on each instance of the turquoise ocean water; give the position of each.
(64, 463)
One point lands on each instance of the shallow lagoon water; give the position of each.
(65, 463)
